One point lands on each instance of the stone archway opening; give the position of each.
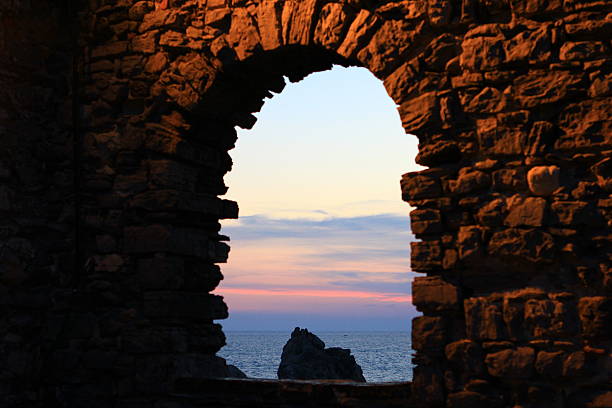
(348, 251)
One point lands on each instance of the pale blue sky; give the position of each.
(331, 142)
(323, 240)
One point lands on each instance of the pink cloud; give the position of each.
(382, 297)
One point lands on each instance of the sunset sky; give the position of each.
(323, 237)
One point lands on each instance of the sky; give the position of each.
(323, 237)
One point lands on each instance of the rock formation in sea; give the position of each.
(306, 358)
(235, 372)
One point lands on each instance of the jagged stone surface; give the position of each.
(305, 357)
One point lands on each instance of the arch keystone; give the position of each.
(359, 33)
(334, 22)
(243, 35)
(269, 13)
(298, 20)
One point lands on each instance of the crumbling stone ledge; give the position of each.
(260, 393)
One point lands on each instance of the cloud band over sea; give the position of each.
(347, 267)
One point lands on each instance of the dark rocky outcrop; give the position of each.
(235, 372)
(306, 358)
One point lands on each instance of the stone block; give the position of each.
(469, 242)
(243, 36)
(576, 365)
(172, 200)
(440, 51)
(544, 87)
(419, 185)
(145, 43)
(603, 172)
(498, 139)
(510, 180)
(582, 50)
(426, 255)
(469, 181)
(184, 306)
(171, 174)
(536, 6)
(359, 32)
(164, 272)
(541, 138)
(530, 46)
(439, 12)
(298, 20)
(131, 66)
(543, 180)
(269, 23)
(390, 41)
(161, 273)
(218, 17)
(595, 316)
(483, 319)
(138, 10)
(429, 333)
(334, 21)
(470, 399)
(159, 19)
(550, 318)
(574, 213)
(426, 221)
(420, 112)
(172, 39)
(488, 100)
(586, 124)
(482, 53)
(432, 294)
(450, 259)
(130, 184)
(465, 355)
(441, 152)
(550, 364)
(110, 50)
(428, 386)
(530, 245)
(511, 364)
(492, 213)
(108, 263)
(401, 82)
(514, 310)
(182, 241)
(525, 211)
(589, 398)
(145, 340)
(601, 85)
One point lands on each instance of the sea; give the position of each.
(383, 356)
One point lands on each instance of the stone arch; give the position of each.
(511, 104)
(469, 78)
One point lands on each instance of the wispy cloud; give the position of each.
(263, 226)
(338, 294)
(339, 265)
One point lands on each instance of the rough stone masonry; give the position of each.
(116, 118)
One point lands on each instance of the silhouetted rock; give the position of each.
(306, 358)
(235, 372)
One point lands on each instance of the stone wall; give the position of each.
(37, 191)
(237, 393)
(510, 101)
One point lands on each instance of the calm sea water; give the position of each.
(383, 356)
